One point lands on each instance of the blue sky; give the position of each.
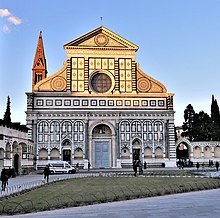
(179, 43)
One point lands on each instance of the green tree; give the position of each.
(215, 115)
(215, 134)
(202, 127)
(188, 124)
(7, 115)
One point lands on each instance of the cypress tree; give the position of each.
(215, 115)
(7, 116)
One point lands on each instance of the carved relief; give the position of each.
(58, 83)
(143, 85)
(101, 40)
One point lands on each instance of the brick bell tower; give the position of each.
(39, 70)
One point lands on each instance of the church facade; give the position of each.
(100, 107)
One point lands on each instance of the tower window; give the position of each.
(38, 78)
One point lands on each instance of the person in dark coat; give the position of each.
(217, 165)
(140, 167)
(77, 167)
(197, 165)
(135, 167)
(4, 179)
(145, 165)
(46, 173)
(89, 165)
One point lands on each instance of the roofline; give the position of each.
(99, 29)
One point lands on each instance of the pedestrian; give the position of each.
(197, 165)
(77, 167)
(135, 167)
(46, 173)
(89, 165)
(217, 165)
(140, 168)
(4, 179)
(145, 165)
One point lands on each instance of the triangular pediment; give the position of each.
(101, 37)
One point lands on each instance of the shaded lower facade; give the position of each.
(106, 142)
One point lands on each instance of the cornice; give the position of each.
(97, 48)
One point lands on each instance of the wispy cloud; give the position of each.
(6, 29)
(15, 20)
(10, 20)
(4, 13)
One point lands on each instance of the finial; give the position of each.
(101, 20)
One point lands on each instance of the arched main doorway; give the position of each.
(101, 137)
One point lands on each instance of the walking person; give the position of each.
(145, 165)
(89, 165)
(217, 165)
(197, 165)
(4, 179)
(77, 167)
(140, 168)
(135, 167)
(46, 173)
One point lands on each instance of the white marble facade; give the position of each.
(76, 131)
(100, 107)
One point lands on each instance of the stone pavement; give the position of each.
(201, 204)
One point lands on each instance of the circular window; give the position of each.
(101, 83)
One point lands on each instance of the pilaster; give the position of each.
(68, 76)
